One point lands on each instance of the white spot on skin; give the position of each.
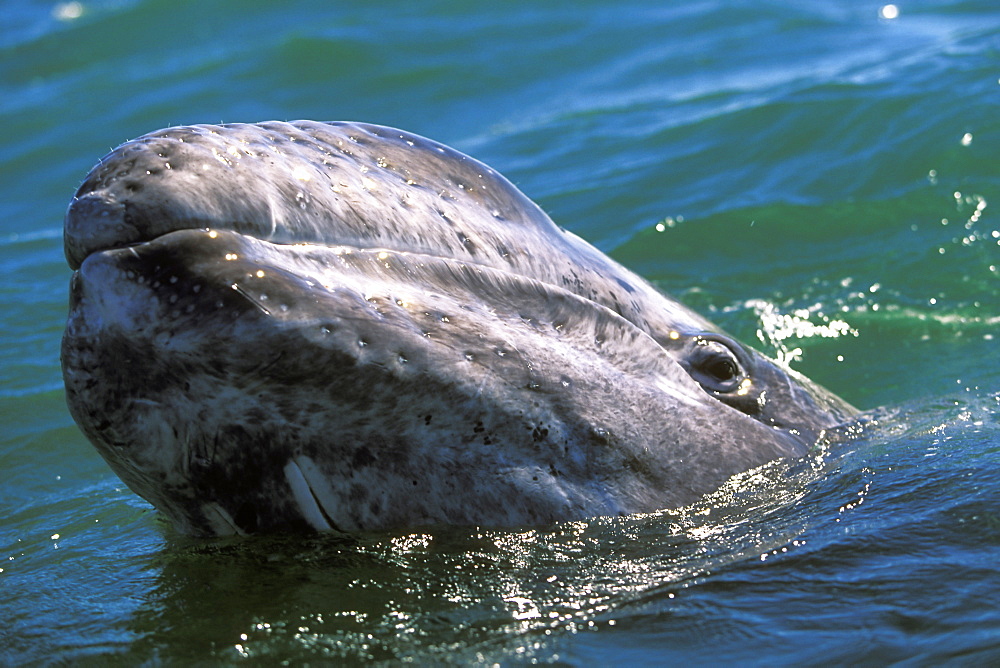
(303, 495)
(220, 521)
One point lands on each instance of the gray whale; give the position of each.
(341, 326)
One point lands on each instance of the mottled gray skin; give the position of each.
(345, 326)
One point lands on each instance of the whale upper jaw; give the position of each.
(347, 327)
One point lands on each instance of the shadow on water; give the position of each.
(878, 550)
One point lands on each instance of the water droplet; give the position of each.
(889, 12)
(67, 11)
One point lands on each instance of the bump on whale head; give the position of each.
(341, 326)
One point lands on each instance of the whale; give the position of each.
(339, 326)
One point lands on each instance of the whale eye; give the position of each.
(721, 367)
(715, 364)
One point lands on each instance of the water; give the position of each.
(819, 180)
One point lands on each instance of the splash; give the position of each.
(777, 327)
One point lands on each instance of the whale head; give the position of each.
(340, 326)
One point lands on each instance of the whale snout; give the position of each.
(93, 223)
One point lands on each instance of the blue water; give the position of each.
(818, 179)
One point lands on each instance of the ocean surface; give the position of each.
(819, 177)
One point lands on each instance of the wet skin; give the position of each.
(349, 327)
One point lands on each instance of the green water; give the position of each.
(819, 181)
